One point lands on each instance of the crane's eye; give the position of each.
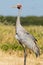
(19, 6)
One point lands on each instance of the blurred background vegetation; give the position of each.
(32, 24)
(29, 20)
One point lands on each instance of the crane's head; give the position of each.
(18, 6)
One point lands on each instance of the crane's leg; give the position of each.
(24, 52)
(25, 56)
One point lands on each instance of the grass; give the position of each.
(14, 59)
(8, 41)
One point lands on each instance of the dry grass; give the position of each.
(14, 59)
(7, 35)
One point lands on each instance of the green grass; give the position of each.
(8, 41)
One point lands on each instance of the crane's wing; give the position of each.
(31, 36)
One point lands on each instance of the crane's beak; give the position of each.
(14, 6)
(17, 6)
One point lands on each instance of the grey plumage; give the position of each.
(26, 38)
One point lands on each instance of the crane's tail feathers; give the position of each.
(37, 52)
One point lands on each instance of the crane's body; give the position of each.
(25, 38)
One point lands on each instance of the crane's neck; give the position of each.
(18, 18)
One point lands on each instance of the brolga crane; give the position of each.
(24, 37)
